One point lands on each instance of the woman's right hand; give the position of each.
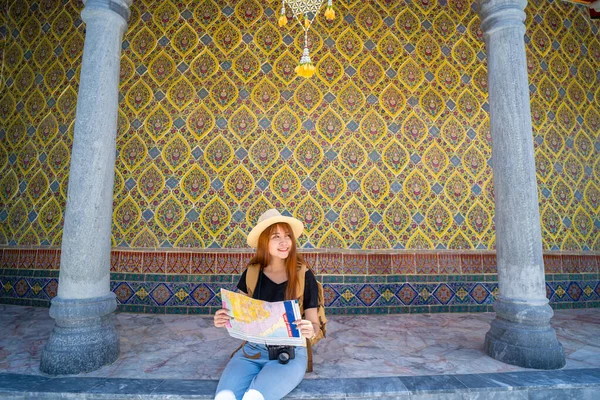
(221, 318)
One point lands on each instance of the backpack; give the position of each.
(252, 272)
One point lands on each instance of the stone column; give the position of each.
(521, 333)
(84, 337)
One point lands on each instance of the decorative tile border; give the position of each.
(354, 283)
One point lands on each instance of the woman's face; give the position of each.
(280, 243)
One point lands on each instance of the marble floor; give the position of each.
(189, 347)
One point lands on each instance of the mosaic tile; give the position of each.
(47, 259)
(552, 263)
(27, 259)
(312, 259)
(330, 263)
(115, 260)
(426, 264)
(154, 262)
(202, 263)
(179, 263)
(490, 265)
(471, 264)
(130, 261)
(380, 264)
(354, 263)
(449, 263)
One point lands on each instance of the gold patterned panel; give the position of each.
(211, 108)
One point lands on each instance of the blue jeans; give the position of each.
(246, 378)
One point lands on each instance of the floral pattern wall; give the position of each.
(386, 147)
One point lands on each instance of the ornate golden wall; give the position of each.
(387, 146)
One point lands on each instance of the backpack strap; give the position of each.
(252, 272)
(300, 294)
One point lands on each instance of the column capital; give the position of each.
(120, 7)
(499, 14)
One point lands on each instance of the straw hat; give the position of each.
(269, 218)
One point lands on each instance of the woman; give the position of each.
(250, 374)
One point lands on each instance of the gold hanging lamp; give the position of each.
(306, 10)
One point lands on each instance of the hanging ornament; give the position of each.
(306, 10)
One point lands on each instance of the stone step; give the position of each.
(581, 384)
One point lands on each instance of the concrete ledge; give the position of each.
(581, 384)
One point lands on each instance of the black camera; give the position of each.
(283, 354)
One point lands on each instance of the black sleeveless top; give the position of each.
(268, 290)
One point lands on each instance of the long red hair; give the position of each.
(292, 262)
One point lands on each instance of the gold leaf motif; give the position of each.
(59, 157)
(314, 41)
(185, 40)
(126, 215)
(138, 96)
(331, 184)
(205, 65)
(479, 220)
(24, 79)
(373, 126)
(565, 116)
(438, 218)
(29, 238)
(392, 100)
(224, 92)
(407, 23)
(169, 214)
(37, 186)
(151, 183)
(206, 13)
(74, 47)
(457, 189)
(414, 128)
(133, 152)
(428, 49)
(332, 240)
(351, 98)
(239, 184)
(237, 240)
(445, 26)
(267, 38)
(50, 215)
(368, 19)
(35, 105)
(284, 67)
(418, 241)
(389, 46)
(248, 11)
(227, 37)
(43, 52)
(256, 209)
(329, 70)
(16, 132)
(562, 193)
(161, 68)
(543, 166)
(376, 241)
(551, 222)
(541, 42)
(583, 145)
(215, 216)
(243, 121)
(370, 71)
(396, 217)
(474, 161)
(460, 242)
(200, 122)
(190, 239)
(54, 76)
(558, 68)
(246, 65)
(9, 185)
(448, 76)
(354, 217)
(453, 132)
(308, 154)
(218, 153)
(143, 43)
(165, 15)
(285, 184)
(463, 53)
(181, 93)
(158, 122)
(538, 114)
(570, 47)
(395, 157)
(435, 159)
(330, 125)
(31, 30)
(310, 213)
(468, 106)
(176, 152)
(263, 153)
(582, 222)
(286, 123)
(353, 156)
(195, 183)
(375, 186)
(145, 239)
(308, 96)
(13, 56)
(349, 44)
(27, 157)
(416, 187)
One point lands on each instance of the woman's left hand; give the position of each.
(305, 327)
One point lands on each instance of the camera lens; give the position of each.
(283, 357)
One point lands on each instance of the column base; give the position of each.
(521, 335)
(84, 338)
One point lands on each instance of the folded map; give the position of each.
(262, 322)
